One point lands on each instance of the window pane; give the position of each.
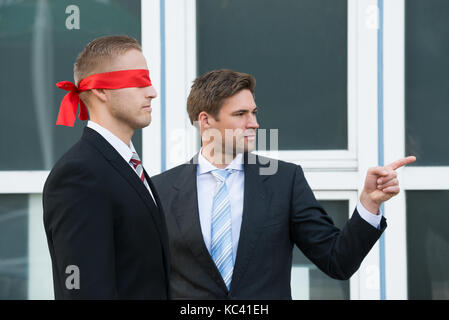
(297, 50)
(13, 246)
(428, 244)
(321, 286)
(427, 81)
(25, 263)
(36, 51)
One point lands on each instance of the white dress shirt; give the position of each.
(235, 183)
(372, 219)
(121, 147)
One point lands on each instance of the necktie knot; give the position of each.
(135, 160)
(137, 165)
(138, 168)
(221, 174)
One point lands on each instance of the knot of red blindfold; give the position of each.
(107, 80)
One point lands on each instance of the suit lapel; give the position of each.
(128, 173)
(158, 202)
(185, 210)
(256, 200)
(163, 226)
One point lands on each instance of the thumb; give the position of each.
(378, 171)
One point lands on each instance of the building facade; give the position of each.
(348, 84)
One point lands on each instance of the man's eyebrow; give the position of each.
(244, 110)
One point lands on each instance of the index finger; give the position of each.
(402, 162)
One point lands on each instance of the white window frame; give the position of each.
(182, 139)
(181, 42)
(345, 159)
(411, 178)
(151, 48)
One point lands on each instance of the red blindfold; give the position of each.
(106, 80)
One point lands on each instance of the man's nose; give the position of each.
(150, 92)
(252, 122)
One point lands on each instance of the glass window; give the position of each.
(13, 246)
(297, 50)
(427, 81)
(428, 244)
(320, 286)
(36, 51)
(25, 263)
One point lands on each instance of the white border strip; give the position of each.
(394, 129)
(425, 178)
(151, 46)
(367, 119)
(22, 181)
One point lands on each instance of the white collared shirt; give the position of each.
(235, 183)
(121, 147)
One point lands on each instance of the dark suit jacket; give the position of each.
(100, 217)
(279, 211)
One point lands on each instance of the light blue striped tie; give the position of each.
(221, 244)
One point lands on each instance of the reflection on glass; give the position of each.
(36, 51)
(25, 264)
(13, 246)
(427, 81)
(428, 244)
(308, 282)
(297, 50)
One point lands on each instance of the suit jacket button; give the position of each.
(229, 295)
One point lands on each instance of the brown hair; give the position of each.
(97, 53)
(211, 89)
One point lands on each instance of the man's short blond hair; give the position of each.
(99, 52)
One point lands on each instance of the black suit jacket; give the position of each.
(279, 211)
(100, 217)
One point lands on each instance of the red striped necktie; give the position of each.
(137, 165)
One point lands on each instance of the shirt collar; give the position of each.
(121, 147)
(204, 166)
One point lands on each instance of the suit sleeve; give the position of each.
(338, 253)
(79, 223)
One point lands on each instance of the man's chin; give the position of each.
(142, 124)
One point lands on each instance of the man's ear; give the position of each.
(100, 94)
(204, 120)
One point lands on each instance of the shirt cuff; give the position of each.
(372, 219)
